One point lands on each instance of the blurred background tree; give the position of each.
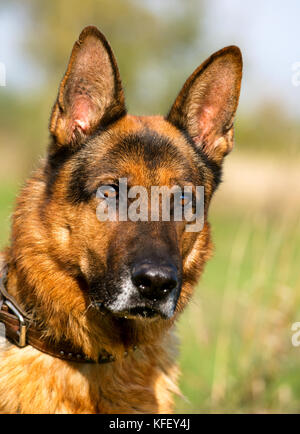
(145, 43)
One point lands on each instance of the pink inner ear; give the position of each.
(81, 114)
(213, 111)
(206, 123)
(206, 120)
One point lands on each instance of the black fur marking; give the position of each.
(112, 114)
(155, 150)
(215, 168)
(54, 165)
(77, 191)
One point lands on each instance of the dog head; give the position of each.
(133, 267)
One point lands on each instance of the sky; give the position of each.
(267, 31)
(19, 67)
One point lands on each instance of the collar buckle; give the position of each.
(22, 332)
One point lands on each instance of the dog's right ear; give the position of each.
(90, 94)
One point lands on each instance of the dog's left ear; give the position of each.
(207, 103)
(90, 94)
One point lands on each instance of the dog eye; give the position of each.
(186, 198)
(108, 192)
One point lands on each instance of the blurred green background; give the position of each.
(236, 353)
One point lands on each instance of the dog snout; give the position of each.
(154, 281)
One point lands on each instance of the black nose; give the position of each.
(154, 282)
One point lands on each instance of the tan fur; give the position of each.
(33, 382)
(52, 240)
(143, 382)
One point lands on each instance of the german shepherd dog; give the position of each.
(92, 303)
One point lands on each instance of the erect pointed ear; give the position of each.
(207, 103)
(90, 94)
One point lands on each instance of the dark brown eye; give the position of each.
(108, 192)
(186, 198)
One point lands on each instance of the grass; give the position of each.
(236, 350)
(8, 192)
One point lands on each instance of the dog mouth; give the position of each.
(141, 312)
(136, 312)
(129, 304)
